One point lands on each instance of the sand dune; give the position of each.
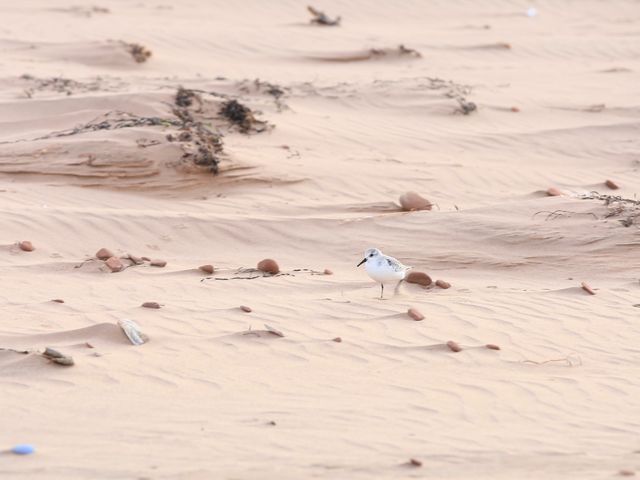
(320, 378)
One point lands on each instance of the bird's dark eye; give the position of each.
(371, 254)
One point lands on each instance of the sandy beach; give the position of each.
(212, 133)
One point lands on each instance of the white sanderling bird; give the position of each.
(382, 268)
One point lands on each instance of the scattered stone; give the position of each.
(57, 357)
(626, 473)
(244, 308)
(145, 259)
(151, 305)
(271, 423)
(420, 278)
(114, 264)
(134, 259)
(268, 266)
(443, 284)
(515, 109)
(328, 272)
(158, 263)
(26, 246)
(58, 300)
(337, 340)
(453, 346)
(415, 463)
(104, 254)
(412, 201)
(415, 314)
(612, 185)
(491, 346)
(554, 192)
(88, 345)
(588, 289)
(208, 269)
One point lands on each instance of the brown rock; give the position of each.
(151, 305)
(104, 254)
(146, 259)
(420, 278)
(268, 266)
(415, 314)
(337, 340)
(158, 263)
(244, 308)
(26, 246)
(443, 284)
(491, 346)
(612, 185)
(415, 463)
(554, 192)
(58, 300)
(515, 109)
(588, 289)
(411, 201)
(114, 264)
(453, 346)
(626, 473)
(208, 269)
(328, 272)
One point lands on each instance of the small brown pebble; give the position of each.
(88, 345)
(58, 300)
(151, 305)
(114, 264)
(415, 463)
(612, 185)
(26, 246)
(515, 109)
(328, 272)
(491, 346)
(337, 340)
(626, 473)
(453, 346)
(158, 263)
(268, 266)
(420, 278)
(554, 192)
(208, 269)
(588, 289)
(145, 259)
(244, 308)
(443, 284)
(104, 254)
(415, 314)
(412, 201)
(272, 423)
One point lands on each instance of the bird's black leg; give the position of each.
(381, 290)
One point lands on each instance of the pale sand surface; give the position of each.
(197, 401)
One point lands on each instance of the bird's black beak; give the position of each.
(363, 260)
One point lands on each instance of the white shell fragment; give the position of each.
(132, 331)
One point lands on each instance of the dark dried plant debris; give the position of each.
(320, 18)
(617, 206)
(242, 116)
(186, 97)
(139, 53)
(59, 85)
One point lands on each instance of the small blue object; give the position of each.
(24, 449)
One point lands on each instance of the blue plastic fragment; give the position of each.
(24, 449)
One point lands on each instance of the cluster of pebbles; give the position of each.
(115, 264)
